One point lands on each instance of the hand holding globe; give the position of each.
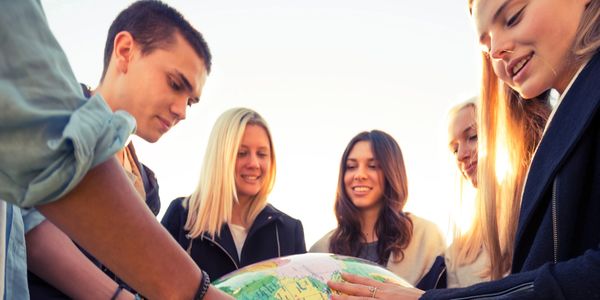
(363, 287)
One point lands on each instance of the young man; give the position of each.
(153, 77)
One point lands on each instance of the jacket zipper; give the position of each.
(440, 277)
(228, 255)
(515, 289)
(555, 220)
(189, 249)
(277, 236)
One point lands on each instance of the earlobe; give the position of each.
(123, 50)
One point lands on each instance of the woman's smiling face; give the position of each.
(529, 42)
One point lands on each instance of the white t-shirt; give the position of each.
(239, 234)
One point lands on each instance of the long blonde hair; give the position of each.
(466, 245)
(211, 204)
(512, 127)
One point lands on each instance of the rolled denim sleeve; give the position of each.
(50, 136)
(31, 218)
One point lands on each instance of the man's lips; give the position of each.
(166, 124)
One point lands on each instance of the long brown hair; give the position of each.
(393, 227)
(512, 125)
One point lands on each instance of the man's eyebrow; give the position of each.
(186, 83)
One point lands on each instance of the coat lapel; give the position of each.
(265, 217)
(567, 126)
(225, 239)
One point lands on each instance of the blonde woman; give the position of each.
(227, 223)
(466, 261)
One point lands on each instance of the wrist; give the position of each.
(203, 286)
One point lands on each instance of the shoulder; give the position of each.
(422, 226)
(176, 209)
(427, 233)
(322, 245)
(179, 203)
(283, 217)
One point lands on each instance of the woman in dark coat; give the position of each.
(226, 223)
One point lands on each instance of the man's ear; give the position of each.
(123, 51)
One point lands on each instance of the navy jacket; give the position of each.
(273, 234)
(557, 253)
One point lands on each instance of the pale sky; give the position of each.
(319, 72)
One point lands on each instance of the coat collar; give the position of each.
(266, 216)
(571, 119)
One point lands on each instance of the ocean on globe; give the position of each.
(302, 276)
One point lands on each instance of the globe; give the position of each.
(302, 276)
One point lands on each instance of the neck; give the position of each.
(240, 211)
(569, 72)
(106, 94)
(368, 218)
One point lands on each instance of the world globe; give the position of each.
(302, 276)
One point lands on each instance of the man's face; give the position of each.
(160, 85)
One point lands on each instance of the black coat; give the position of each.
(273, 234)
(557, 253)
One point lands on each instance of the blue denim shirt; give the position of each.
(50, 136)
(15, 271)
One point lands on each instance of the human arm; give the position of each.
(52, 256)
(101, 216)
(576, 278)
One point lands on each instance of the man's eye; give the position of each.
(174, 85)
(192, 101)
